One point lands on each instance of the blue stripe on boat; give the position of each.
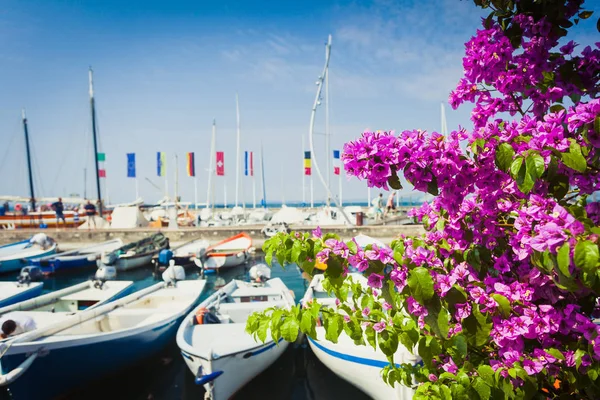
(257, 352)
(358, 360)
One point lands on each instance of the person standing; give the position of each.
(390, 203)
(59, 209)
(90, 212)
(377, 204)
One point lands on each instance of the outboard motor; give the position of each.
(164, 257)
(173, 274)
(106, 273)
(260, 273)
(30, 274)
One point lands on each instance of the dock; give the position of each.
(70, 237)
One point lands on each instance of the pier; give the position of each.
(72, 237)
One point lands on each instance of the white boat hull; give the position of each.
(101, 345)
(218, 261)
(222, 356)
(128, 263)
(238, 369)
(360, 366)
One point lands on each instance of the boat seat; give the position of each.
(238, 312)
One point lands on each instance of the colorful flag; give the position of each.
(161, 165)
(101, 156)
(307, 163)
(131, 165)
(249, 163)
(336, 162)
(102, 173)
(220, 163)
(191, 165)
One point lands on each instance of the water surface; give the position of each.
(297, 375)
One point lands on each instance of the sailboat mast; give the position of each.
(176, 179)
(303, 175)
(312, 127)
(93, 111)
(237, 154)
(31, 192)
(444, 124)
(262, 171)
(211, 161)
(327, 140)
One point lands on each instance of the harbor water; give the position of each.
(297, 375)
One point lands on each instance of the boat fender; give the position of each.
(204, 379)
(199, 317)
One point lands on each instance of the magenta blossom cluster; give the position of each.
(505, 204)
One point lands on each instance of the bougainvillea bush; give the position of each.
(499, 296)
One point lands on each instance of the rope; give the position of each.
(8, 149)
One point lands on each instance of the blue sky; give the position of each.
(164, 70)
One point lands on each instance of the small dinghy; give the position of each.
(14, 256)
(136, 254)
(358, 365)
(230, 252)
(15, 292)
(75, 259)
(72, 350)
(72, 299)
(213, 341)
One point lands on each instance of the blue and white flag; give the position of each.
(131, 165)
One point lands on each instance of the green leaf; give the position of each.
(442, 321)
(269, 258)
(370, 334)
(504, 156)
(564, 260)
(515, 167)
(289, 329)
(486, 373)
(559, 186)
(394, 181)
(586, 256)
(432, 186)
(482, 388)
(460, 344)
(477, 144)
(399, 253)
(503, 304)
(334, 324)
(308, 324)
(535, 166)
(388, 343)
(585, 14)
(276, 322)
(573, 158)
(263, 326)
(577, 356)
(352, 246)
(445, 393)
(477, 328)
(597, 124)
(425, 352)
(420, 284)
(555, 353)
(296, 250)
